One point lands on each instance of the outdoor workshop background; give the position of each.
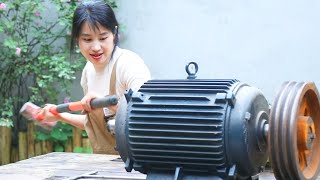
(261, 43)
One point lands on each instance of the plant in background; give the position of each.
(34, 59)
(34, 62)
(6, 113)
(83, 149)
(59, 135)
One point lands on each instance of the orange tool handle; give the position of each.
(67, 107)
(77, 106)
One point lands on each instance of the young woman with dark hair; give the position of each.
(95, 32)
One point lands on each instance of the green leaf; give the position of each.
(6, 122)
(8, 25)
(58, 148)
(78, 149)
(88, 150)
(42, 136)
(10, 43)
(58, 134)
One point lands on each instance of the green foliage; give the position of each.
(7, 113)
(59, 135)
(61, 131)
(35, 62)
(82, 150)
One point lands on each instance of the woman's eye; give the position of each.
(104, 38)
(85, 39)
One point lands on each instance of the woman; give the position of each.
(95, 31)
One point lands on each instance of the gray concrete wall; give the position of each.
(262, 43)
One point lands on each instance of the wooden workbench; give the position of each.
(73, 166)
(67, 166)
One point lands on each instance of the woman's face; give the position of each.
(96, 45)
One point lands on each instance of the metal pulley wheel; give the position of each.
(294, 132)
(218, 129)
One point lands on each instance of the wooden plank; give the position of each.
(63, 165)
(31, 139)
(47, 146)
(68, 147)
(1, 142)
(77, 136)
(37, 148)
(5, 144)
(23, 145)
(86, 144)
(14, 154)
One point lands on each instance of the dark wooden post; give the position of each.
(77, 137)
(23, 146)
(31, 139)
(5, 144)
(68, 147)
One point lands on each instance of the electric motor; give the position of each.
(207, 128)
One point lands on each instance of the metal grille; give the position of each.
(179, 123)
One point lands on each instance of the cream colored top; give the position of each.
(131, 72)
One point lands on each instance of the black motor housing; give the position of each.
(193, 128)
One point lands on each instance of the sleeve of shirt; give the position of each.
(132, 71)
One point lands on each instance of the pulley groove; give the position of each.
(289, 159)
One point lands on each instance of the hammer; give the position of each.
(32, 112)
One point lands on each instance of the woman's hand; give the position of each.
(49, 119)
(113, 108)
(85, 101)
(47, 115)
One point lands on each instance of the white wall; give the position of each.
(262, 43)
